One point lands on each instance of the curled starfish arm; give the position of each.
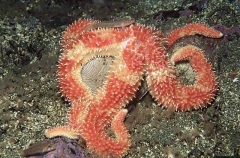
(104, 145)
(120, 129)
(203, 90)
(105, 112)
(192, 29)
(167, 89)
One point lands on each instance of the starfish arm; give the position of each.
(120, 129)
(202, 92)
(167, 90)
(99, 141)
(62, 131)
(192, 29)
(73, 33)
(109, 111)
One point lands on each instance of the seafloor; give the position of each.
(30, 101)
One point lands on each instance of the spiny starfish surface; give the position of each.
(137, 51)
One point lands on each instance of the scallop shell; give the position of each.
(94, 73)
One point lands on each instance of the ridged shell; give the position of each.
(94, 73)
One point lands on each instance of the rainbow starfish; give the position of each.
(137, 51)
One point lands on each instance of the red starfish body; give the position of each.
(136, 50)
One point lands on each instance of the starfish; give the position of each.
(137, 51)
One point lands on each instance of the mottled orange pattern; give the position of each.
(137, 51)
